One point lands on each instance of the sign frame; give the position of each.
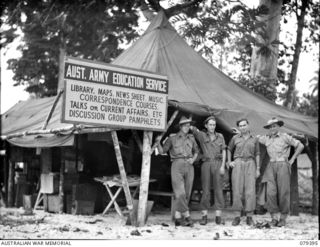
(117, 68)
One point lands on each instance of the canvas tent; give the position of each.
(195, 86)
(198, 87)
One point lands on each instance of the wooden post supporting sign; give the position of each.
(123, 175)
(145, 174)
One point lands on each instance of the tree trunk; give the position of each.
(264, 59)
(290, 99)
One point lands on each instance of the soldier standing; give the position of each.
(277, 174)
(246, 168)
(183, 151)
(213, 166)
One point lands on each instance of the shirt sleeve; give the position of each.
(231, 144)
(223, 142)
(291, 141)
(167, 145)
(256, 147)
(195, 147)
(197, 134)
(262, 139)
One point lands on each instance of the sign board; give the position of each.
(103, 94)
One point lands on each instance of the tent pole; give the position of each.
(315, 188)
(312, 151)
(44, 126)
(5, 171)
(145, 176)
(294, 191)
(137, 139)
(123, 175)
(10, 184)
(61, 184)
(174, 115)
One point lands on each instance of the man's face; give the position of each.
(243, 127)
(185, 128)
(211, 126)
(274, 129)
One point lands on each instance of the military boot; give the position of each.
(236, 221)
(188, 222)
(218, 220)
(204, 220)
(250, 221)
(179, 222)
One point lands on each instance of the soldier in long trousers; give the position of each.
(277, 174)
(213, 167)
(245, 169)
(183, 151)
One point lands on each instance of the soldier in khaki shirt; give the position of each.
(246, 168)
(277, 174)
(183, 151)
(213, 167)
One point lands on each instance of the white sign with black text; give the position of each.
(107, 95)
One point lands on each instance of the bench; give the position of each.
(168, 194)
(164, 193)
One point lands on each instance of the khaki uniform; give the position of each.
(244, 172)
(181, 147)
(277, 174)
(210, 168)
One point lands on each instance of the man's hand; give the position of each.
(231, 164)
(190, 161)
(235, 131)
(291, 161)
(158, 138)
(257, 173)
(222, 170)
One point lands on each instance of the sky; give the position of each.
(10, 95)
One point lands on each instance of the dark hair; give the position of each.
(242, 119)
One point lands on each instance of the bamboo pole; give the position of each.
(123, 175)
(137, 139)
(145, 176)
(78, 128)
(37, 132)
(174, 115)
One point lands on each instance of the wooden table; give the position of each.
(109, 182)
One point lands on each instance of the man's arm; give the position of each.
(197, 133)
(222, 169)
(257, 155)
(298, 150)
(166, 147)
(230, 148)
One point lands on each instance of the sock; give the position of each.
(186, 214)
(274, 216)
(177, 215)
(283, 216)
(218, 213)
(204, 212)
(249, 214)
